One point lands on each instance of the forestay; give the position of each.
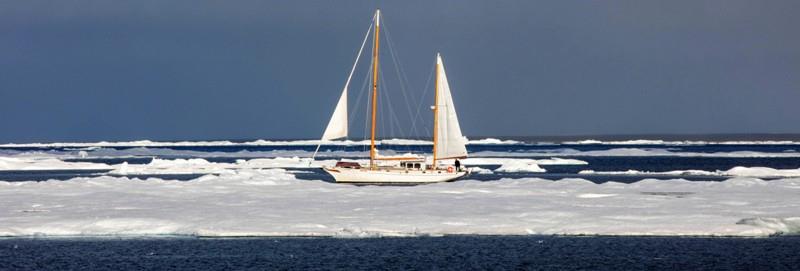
(337, 126)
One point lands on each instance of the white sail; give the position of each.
(449, 141)
(337, 126)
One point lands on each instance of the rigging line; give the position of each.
(401, 75)
(358, 56)
(350, 76)
(381, 121)
(358, 102)
(427, 83)
(361, 93)
(392, 115)
(366, 110)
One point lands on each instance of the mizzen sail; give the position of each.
(449, 141)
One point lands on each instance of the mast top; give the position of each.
(378, 17)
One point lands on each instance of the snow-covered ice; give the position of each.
(568, 152)
(507, 164)
(271, 202)
(520, 164)
(682, 142)
(202, 166)
(760, 172)
(46, 163)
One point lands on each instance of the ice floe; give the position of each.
(681, 142)
(630, 152)
(202, 166)
(502, 161)
(520, 164)
(46, 163)
(760, 172)
(272, 202)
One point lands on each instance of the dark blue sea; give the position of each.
(419, 253)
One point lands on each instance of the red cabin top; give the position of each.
(348, 165)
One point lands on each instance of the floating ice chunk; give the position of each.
(594, 196)
(479, 170)
(560, 161)
(520, 165)
(503, 161)
(494, 141)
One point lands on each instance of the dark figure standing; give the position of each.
(458, 165)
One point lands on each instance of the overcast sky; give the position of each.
(188, 70)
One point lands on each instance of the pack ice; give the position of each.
(273, 202)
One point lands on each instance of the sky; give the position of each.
(198, 70)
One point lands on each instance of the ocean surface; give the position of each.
(596, 203)
(617, 154)
(420, 253)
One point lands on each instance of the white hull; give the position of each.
(395, 175)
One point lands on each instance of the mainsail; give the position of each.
(449, 143)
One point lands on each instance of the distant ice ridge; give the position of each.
(273, 202)
(260, 142)
(760, 172)
(46, 163)
(394, 141)
(202, 166)
(545, 153)
(520, 164)
(143, 151)
(631, 152)
(684, 142)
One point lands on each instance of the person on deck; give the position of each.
(458, 165)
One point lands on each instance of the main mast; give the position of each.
(374, 87)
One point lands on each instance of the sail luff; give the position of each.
(376, 37)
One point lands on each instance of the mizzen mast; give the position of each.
(372, 154)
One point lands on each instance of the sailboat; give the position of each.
(448, 142)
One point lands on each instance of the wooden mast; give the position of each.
(435, 109)
(372, 155)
